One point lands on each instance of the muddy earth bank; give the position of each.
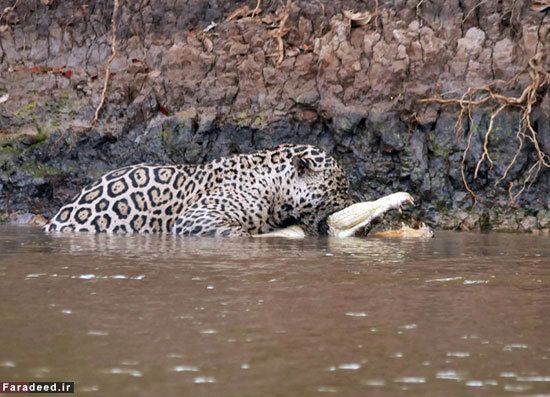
(197, 79)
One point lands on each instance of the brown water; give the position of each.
(461, 314)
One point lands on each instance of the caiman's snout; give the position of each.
(346, 222)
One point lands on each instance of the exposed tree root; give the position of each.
(322, 27)
(418, 14)
(376, 17)
(280, 32)
(278, 25)
(473, 10)
(80, 129)
(7, 10)
(489, 94)
(256, 10)
(244, 12)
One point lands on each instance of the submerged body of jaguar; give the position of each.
(240, 195)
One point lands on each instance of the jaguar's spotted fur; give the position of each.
(234, 196)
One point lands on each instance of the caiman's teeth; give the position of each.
(344, 223)
(293, 231)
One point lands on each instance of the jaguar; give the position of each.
(238, 195)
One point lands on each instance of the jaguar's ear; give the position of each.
(311, 160)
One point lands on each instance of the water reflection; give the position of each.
(460, 314)
(166, 246)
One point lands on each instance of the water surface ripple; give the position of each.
(460, 314)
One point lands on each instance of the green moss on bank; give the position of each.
(40, 170)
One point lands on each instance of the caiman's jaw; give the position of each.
(346, 222)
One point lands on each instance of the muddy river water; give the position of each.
(460, 314)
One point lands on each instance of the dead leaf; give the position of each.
(3, 28)
(4, 98)
(359, 18)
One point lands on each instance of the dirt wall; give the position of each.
(193, 80)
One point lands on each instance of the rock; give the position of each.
(529, 223)
(432, 45)
(23, 219)
(414, 162)
(303, 65)
(471, 222)
(502, 58)
(530, 39)
(543, 218)
(344, 118)
(238, 49)
(207, 117)
(508, 224)
(187, 117)
(455, 220)
(472, 42)
(307, 94)
(369, 41)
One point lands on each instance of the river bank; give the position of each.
(195, 80)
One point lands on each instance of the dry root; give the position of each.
(6, 11)
(257, 9)
(279, 25)
(280, 32)
(80, 129)
(489, 94)
(243, 13)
